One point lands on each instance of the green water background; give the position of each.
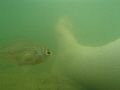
(96, 22)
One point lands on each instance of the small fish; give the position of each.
(24, 53)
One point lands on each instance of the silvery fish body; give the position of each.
(24, 53)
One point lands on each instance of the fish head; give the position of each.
(43, 54)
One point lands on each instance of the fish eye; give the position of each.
(48, 52)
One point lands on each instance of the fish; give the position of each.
(96, 67)
(24, 53)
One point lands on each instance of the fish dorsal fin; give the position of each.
(8, 41)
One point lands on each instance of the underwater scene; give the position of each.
(59, 45)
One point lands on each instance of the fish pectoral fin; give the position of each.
(26, 60)
(25, 69)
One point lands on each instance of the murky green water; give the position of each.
(96, 22)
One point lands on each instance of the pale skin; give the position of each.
(95, 67)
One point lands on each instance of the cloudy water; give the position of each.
(95, 23)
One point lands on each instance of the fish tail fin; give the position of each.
(64, 32)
